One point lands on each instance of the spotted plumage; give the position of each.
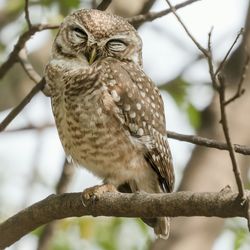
(109, 114)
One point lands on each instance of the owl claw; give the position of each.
(93, 194)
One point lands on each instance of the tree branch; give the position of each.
(27, 14)
(27, 66)
(222, 204)
(198, 45)
(225, 127)
(13, 57)
(104, 4)
(201, 141)
(15, 111)
(150, 16)
(240, 91)
(222, 64)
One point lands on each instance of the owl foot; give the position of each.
(94, 193)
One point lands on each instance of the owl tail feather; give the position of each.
(161, 226)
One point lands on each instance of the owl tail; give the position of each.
(161, 226)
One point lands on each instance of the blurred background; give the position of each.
(32, 161)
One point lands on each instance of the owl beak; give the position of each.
(92, 56)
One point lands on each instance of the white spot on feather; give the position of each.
(115, 96)
(140, 132)
(126, 107)
(138, 106)
(132, 115)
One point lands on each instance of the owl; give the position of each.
(108, 112)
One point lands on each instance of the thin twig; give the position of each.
(221, 66)
(198, 45)
(15, 111)
(27, 14)
(150, 16)
(210, 61)
(104, 4)
(224, 124)
(194, 139)
(13, 57)
(240, 91)
(201, 141)
(27, 66)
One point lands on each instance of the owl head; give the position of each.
(90, 35)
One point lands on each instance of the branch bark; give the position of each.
(13, 57)
(15, 111)
(223, 204)
(150, 16)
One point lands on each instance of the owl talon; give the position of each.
(93, 194)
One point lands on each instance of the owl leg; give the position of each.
(94, 193)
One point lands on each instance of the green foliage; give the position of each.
(99, 233)
(38, 231)
(14, 7)
(240, 232)
(107, 236)
(241, 237)
(178, 89)
(194, 116)
(65, 6)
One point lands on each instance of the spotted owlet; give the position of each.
(109, 114)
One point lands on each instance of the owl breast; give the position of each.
(92, 136)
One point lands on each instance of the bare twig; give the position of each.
(210, 61)
(13, 57)
(28, 68)
(27, 14)
(201, 141)
(150, 16)
(198, 45)
(240, 91)
(224, 124)
(15, 111)
(194, 139)
(219, 85)
(123, 205)
(221, 66)
(104, 4)
(30, 127)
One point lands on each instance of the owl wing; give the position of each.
(141, 112)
